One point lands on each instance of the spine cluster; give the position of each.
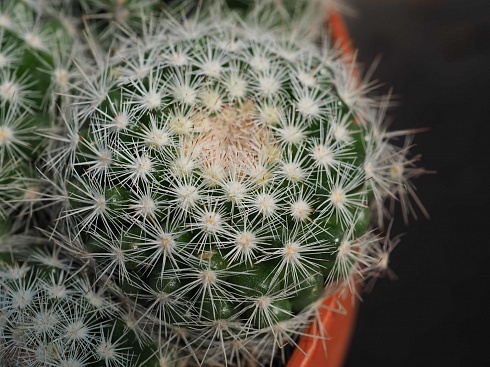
(181, 189)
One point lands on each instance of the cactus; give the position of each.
(210, 177)
(37, 45)
(53, 315)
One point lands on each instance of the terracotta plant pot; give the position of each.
(338, 312)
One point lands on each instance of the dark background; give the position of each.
(436, 55)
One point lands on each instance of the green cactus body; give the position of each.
(207, 178)
(220, 180)
(34, 74)
(52, 315)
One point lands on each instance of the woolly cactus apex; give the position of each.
(219, 177)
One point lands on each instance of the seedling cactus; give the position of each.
(209, 178)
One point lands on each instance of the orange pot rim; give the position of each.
(326, 340)
(339, 33)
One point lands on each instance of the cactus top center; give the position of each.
(232, 139)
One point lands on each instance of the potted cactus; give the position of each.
(184, 188)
